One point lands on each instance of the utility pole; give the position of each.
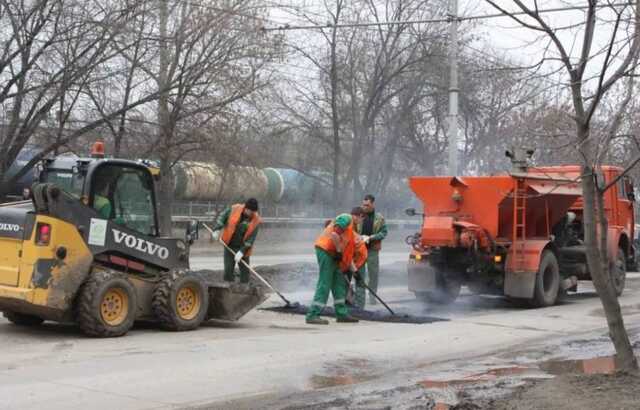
(453, 88)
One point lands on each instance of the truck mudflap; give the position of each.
(422, 276)
(520, 276)
(231, 301)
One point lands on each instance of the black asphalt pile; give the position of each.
(361, 315)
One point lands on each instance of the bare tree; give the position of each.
(593, 71)
(50, 55)
(214, 55)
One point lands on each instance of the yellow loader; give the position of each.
(87, 249)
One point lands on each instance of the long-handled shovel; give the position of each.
(288, 304)
(373, 293)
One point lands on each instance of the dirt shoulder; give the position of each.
(569, 392)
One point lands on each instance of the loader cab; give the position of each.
(124, 193)
(118, 190)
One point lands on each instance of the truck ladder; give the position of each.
(519, 225)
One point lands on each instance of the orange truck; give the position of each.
(519, 234)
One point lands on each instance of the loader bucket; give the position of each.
(229, 301)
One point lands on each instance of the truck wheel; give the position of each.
(106, 305)
(618, 272)
(547, 284)
(22, 319)
(447, 291)
(180, 302)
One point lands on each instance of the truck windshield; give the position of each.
(65, 179)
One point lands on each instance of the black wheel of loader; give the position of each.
(106, 305)
(446, 292)
(618, 271)
(547, 284)
(180, 302)
(22, 319)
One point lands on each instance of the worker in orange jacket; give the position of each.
(334, 251)
(359, 259)
(359, 262)
(239, 225)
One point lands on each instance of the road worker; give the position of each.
(373, 230)
(239, 225)
(359, 260)
(334, 251)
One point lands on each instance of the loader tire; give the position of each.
(106, 305)
(547, 284)
(618, 271)
(22, 319)
(180, 302)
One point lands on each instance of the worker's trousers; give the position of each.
(230, 264)
(331, 280)
(373, 269)
(361, 280)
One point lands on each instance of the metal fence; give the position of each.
(279, 215)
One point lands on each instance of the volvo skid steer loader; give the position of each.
(87, 249)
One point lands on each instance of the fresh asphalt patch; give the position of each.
(360, 314)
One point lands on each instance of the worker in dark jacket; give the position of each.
(239, 224)
(373, 230)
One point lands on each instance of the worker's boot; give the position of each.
(317, 321)
(347, 319)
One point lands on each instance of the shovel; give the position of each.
(372, 292)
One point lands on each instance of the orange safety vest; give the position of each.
(232, 223)
(361, 253)
(347, 241)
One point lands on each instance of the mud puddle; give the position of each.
(501, 381)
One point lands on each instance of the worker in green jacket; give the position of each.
(239, 225)
(373, 230)
(334, 251)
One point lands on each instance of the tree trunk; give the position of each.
(165, 193)
(600, 273)
(337, 153)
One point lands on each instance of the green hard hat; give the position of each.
(343, 220)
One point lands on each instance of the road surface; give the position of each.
(271, 355)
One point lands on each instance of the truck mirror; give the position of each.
(628, 187)
(192, 232)
(631, 196)
(410, 212)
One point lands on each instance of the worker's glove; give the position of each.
(366, 239)
(239, 256)
(215, 235)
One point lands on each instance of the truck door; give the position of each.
(624, 207)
